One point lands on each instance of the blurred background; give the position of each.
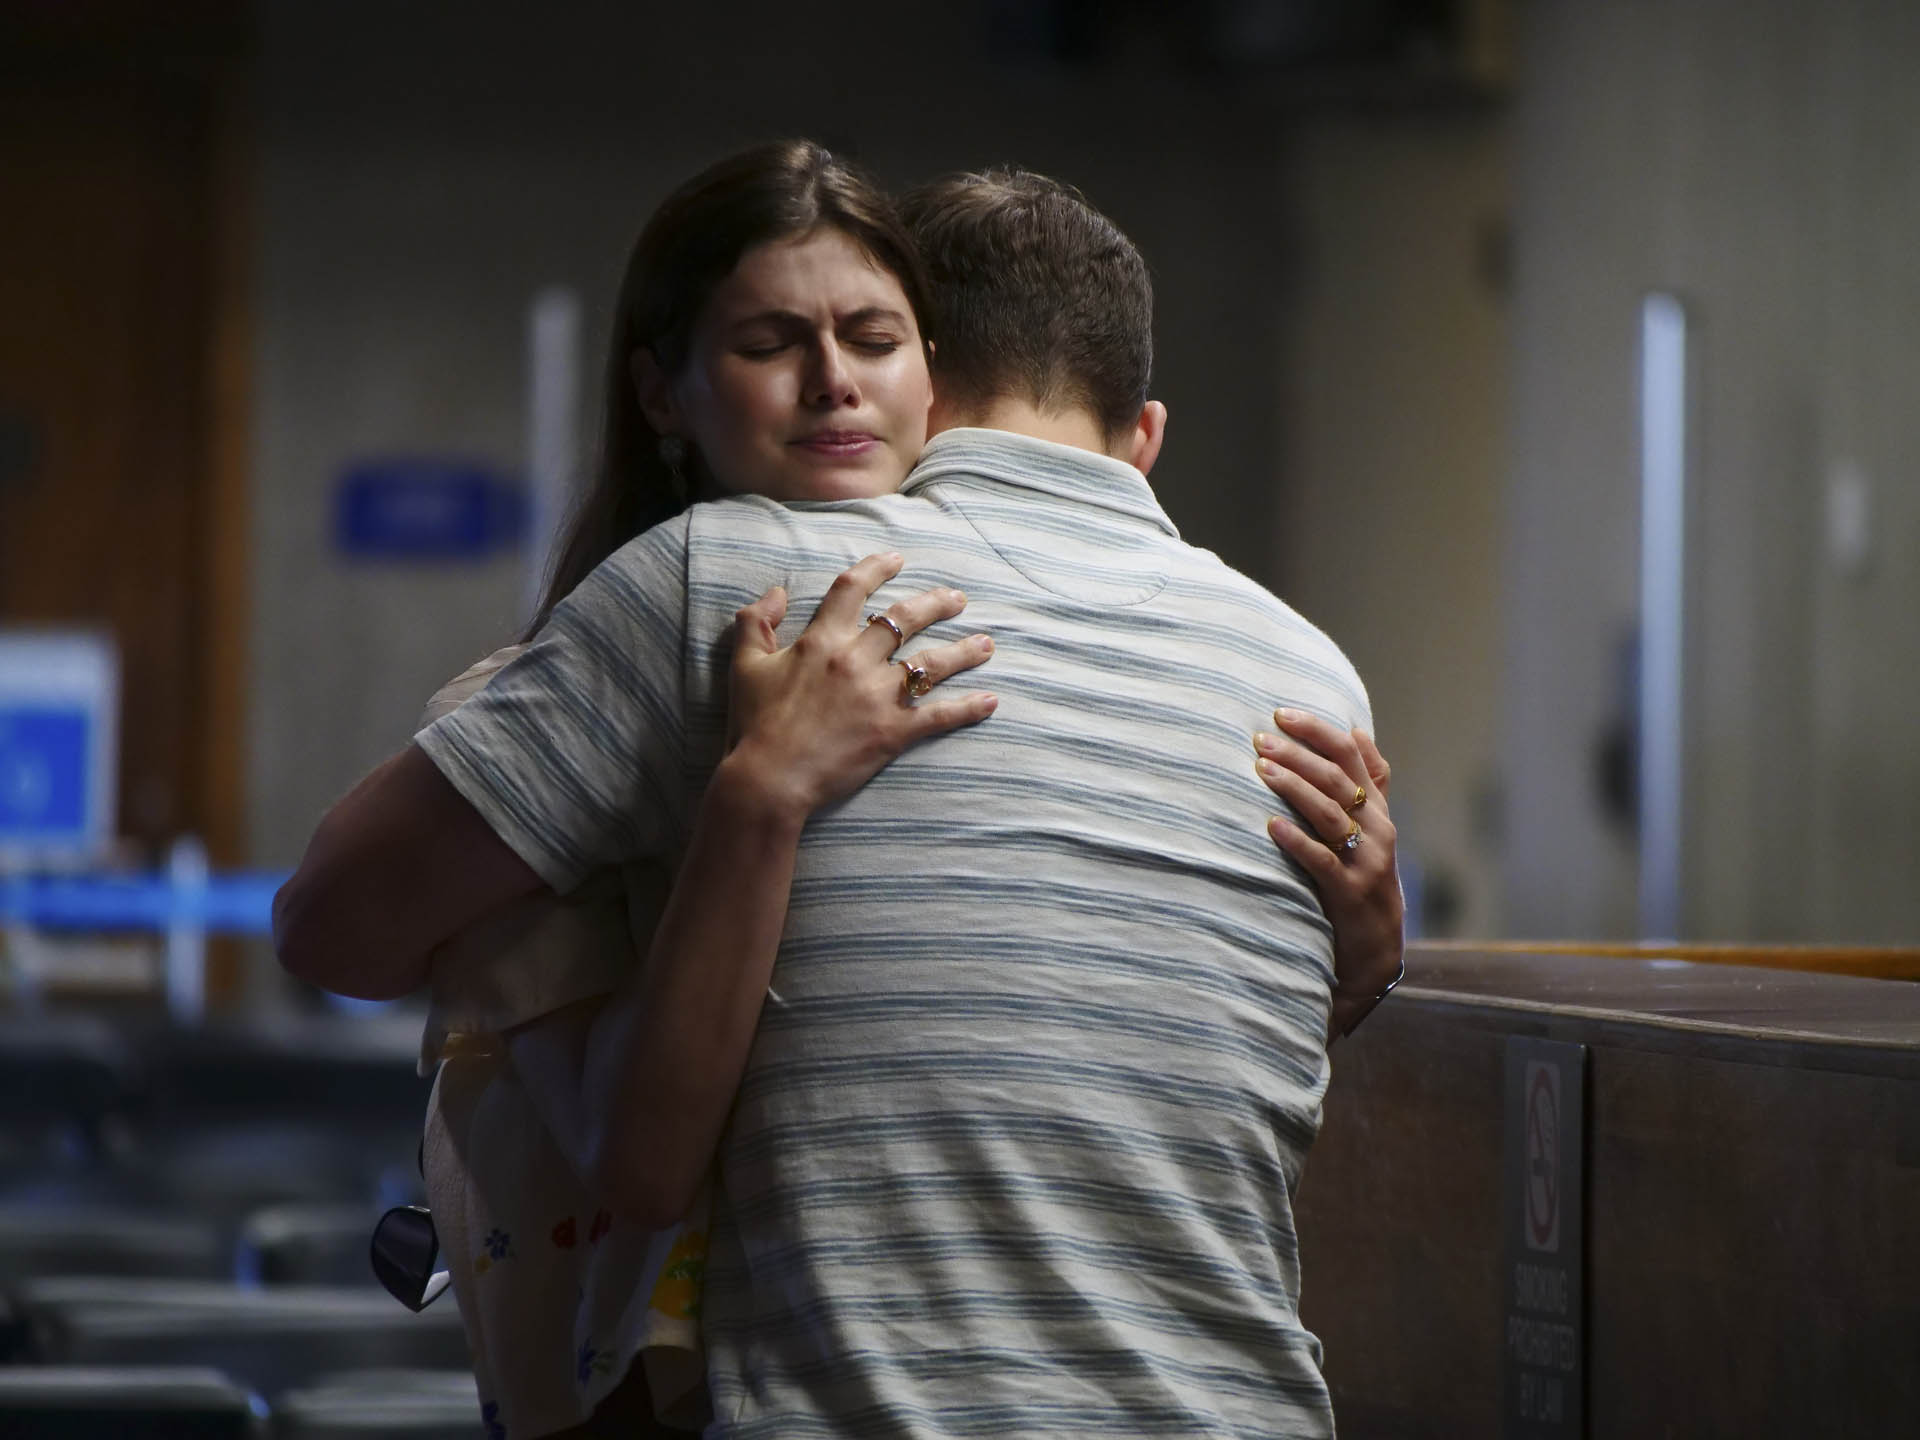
(1556, 357)
(283, 284)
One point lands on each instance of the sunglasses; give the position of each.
(404, 1249)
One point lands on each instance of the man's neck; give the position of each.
(1074, 427)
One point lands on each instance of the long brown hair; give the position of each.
(784, 190)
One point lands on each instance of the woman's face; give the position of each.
(806, 378)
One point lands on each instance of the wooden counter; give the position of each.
(1752, 1197)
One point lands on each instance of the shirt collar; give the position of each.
(1024, 462)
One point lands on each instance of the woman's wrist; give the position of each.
(752, 790)
(1352, 1004)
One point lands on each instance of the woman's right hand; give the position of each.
(815, 721)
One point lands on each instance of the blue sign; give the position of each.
(43, 772)
(427, 509)
(59, 714)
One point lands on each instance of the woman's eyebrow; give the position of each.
(874, 312)
(774, 316)
(789, 319)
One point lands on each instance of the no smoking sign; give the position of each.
(1544, 1333)
(1542, 1203)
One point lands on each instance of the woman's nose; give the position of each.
(830, 380)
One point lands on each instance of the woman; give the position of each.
(770, 340)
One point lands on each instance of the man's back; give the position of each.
(1044, 1046)
(1015, 1148)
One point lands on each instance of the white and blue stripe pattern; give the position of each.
(1016, 1146)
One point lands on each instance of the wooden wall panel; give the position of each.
(123, 360)
(1752, 1194)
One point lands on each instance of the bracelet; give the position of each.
(1372, 1004)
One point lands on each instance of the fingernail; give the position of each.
(1288, 717)
(1276, 827)
(984, 642)
(894, 557)
(1267, 768)
(1264, 741)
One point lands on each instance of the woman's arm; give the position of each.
(812, 723)
(596, 1071)
(1337, 780)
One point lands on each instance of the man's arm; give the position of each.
(397, 866)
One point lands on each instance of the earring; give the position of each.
(673, 454)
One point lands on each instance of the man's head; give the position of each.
(1038, 300)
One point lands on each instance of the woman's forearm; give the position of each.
(815, 720)
(665, 1056)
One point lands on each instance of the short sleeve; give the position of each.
(467, 684)
(575, 752)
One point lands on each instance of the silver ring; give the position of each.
(881, 618)
(1352, 841)
(917, 681)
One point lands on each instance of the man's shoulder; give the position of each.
(739, 547)
(1283, 626)
(736, 520)
(657, 553)
(1205, 568)
(745, 536)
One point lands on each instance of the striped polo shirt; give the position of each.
(1016, 1145)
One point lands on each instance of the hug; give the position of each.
(824, 1047)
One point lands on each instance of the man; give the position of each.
(1016, 1144)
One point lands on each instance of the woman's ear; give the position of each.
(654, 392)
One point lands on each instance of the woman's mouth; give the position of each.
(837, 444)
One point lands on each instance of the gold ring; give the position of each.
(878, 618)
(1359, 798)
(916, 680)
(1352, 841)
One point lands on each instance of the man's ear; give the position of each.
(1142, 445)
(654, 393)
(933, 389)
(942, 414)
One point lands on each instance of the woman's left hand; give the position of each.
(1336, 781)
(816, 720)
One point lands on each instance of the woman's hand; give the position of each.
(1337, 781)
(817, 720)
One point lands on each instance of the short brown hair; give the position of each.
(1036, 294)
(780, 191)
